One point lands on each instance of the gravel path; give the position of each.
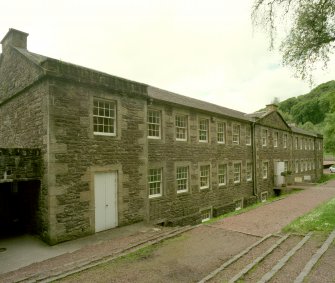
(272, 217)
(195, 253)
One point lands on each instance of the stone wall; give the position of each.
(76, 154)
(23, 116)
(19, 164)
(168, 153)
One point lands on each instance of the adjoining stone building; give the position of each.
(109, 151)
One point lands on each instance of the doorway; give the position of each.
(18, 207)
(105, 193)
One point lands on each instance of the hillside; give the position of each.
(314, 111)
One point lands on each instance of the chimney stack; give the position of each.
(271, 107)
(14, 38)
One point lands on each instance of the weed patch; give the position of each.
(325, 178)
(320, 219)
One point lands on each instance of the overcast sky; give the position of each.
(203, 49)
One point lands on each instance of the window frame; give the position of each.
(285, 140)
(160, 181)
(264, 137)
(236, 134)
(223, 132)
(296, 142)
(238, 204)
(296, 166)
(185, 128)
(151, 123)
(208, 177)
(200, 130)
(237, 173)
(224, 174)
(206, 211)
(249, 179)
(264, 196)
(178, 179)
(97, 116)
(248, 135)
(275, 139)
(265, 168)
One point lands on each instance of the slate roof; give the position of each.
(303, 132)
(167, 96)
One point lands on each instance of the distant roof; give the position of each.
(303, 132)
(167, 96)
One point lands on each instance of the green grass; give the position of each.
(248, 208)
(320, 219)
(326, 177)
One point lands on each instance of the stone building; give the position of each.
(90, 151)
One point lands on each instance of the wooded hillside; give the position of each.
(314, 111)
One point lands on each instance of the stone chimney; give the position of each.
(271, 107)
(14, 38)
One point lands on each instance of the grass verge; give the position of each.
(248, 208)
(326, 177)
(320, 219)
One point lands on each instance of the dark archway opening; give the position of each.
(19, 207)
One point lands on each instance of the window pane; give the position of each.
(182, 179)
(104, 119)
(154, 123)
(155, 182)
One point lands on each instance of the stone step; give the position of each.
(234, 266)
(310, 264)
(296, 263)
(83, 264)
(265, 262)
(283, 260)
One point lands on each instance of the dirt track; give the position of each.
(196, 253)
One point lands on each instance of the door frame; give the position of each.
(91, 194)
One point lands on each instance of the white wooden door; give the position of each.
(105, 192)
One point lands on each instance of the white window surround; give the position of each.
(275, 139)
(296, 143)
(285, 141)
(154, 122)
(203, 125)
(238, 204)
(264, 196)
(237, 173)
(297, 166)
(181, 127)
(222, 174)
(104, 117)
(221, 132)
(182, 179)
(265, 169)
(206, 214)
(248, 135)
(236, 133)
(155, 182)
(204, 176)
(249, 172)
(264, 137)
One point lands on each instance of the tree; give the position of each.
(310, 38)
(329, 133)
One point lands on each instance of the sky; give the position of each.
(203, 49)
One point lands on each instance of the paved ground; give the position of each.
(188, 258)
